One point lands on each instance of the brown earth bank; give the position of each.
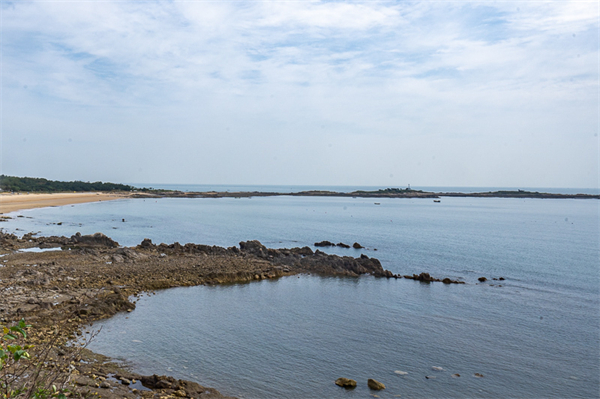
(61, 293)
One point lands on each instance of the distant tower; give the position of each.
(408, 186)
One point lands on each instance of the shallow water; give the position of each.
(536, 336)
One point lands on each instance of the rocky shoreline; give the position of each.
(75, 281)
(89, 278)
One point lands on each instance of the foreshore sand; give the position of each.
(15, 202)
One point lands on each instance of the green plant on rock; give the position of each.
(23, 367)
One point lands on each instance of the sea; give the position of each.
(534, 334)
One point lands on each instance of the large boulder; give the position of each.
(375, 385)
(255, 248)
(324, 244)
(94, 240)
(345, 383)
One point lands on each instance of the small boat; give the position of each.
(437, 200)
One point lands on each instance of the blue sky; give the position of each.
(485, 93)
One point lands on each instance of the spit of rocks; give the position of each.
(92, 278)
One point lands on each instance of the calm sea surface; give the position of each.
(536, 336)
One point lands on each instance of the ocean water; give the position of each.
(536, 334)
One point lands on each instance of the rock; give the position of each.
(345, 383)
(424, 277)
(430, 377)
(501, 279)
(482, 279)
(399, 372)
(105, 385)
(341, 244)
(478, 375)
(147, 244)
(125, 381)
(456, 375)
(437, 368)
(357, 246)
(375, 385)
(163, 384)
(95, 240)
(255, 248)
(324, 244)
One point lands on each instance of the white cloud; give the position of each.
(300, 70)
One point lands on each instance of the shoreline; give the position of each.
(95, 278)
(387, 193)
(10, 202)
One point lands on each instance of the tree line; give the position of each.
(33, 184)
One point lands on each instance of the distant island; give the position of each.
(382, 193)
(40, 185)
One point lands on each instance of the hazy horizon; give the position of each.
(450, 94)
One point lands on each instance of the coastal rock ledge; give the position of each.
(94, 278)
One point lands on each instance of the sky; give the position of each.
(379, 93)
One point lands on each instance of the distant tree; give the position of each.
(33, 184)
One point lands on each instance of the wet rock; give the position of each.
(345, 383)
(501, 279)
(342, 245)
(423, 277)
(147, 244)
(482, 279)
(105, 385)
(357, 246)
(429, 377)
(255, 248)
(375, 385)
(437, 368)
(94, 240)
(478, 375)
(456, 375)
(324, 244)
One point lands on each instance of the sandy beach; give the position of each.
(16, 202)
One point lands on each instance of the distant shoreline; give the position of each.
(386, 193)
(11, 202)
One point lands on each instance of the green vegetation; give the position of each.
(40, 371)
(31, 184)
(21, 374)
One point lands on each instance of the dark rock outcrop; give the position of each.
(342, 245)
(426, 278)
(324, 244)
(345, 383)
(94, 240)
(375, 385)
(357, 246)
